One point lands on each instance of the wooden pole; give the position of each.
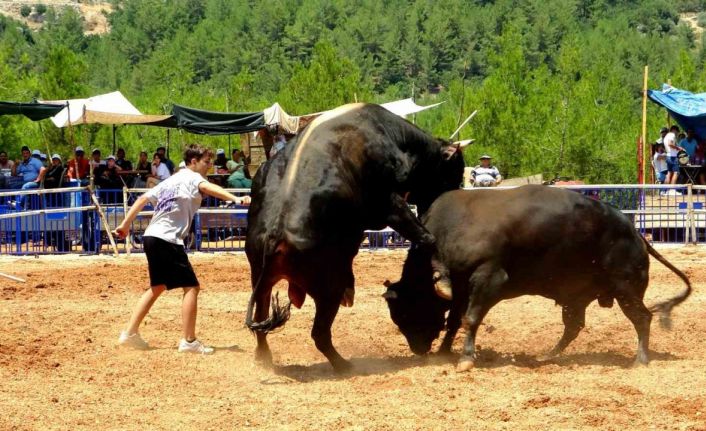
(669, 118)
(128, 242)
(12, 277)
(644, 162)
(104, 219)
(113, 139)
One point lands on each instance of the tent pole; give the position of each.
(44, 138)
(71, 130)
(167, 143)
(113, 139)
(669, 118)
(642, 174)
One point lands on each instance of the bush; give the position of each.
(25, 10)
(701, 20)
(40, 8)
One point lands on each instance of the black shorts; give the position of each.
(168, 264)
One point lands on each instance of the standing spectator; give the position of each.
(52, 179)
(6, 165)
(175, 202)
(121, 161)
(670, 145)
(659, 162)
(485, 175)
(163, 157)
(689, 145)
(159, 171)
(96, 161)
(142, 165)
(32, 173)
(79, 167)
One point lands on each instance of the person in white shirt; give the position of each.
(160, 171)
(485, 175)
(659, 162)
(176, 200)
(670, 145)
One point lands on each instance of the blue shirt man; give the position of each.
(32, 172)
(689, 144)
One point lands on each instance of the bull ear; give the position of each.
(389, 294)
(464, 143)
(387, 283)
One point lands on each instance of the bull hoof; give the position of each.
(348, 296)
(442, 286)
(263, 357)
(465, 364)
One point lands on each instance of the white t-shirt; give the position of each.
(161, 172)
(485, 176)
(670, 142)
(660, 162)
(175, 202)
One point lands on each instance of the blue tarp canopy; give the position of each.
(687, 109)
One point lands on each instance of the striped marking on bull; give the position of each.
(294, 163)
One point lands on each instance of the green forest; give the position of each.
(557, 83)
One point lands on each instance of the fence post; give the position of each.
(691, 226)
(128, 242)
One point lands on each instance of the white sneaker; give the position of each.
(194, 347)
(134, 341)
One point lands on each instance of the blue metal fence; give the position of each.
(66, 220)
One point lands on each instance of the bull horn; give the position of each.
(389, 294)
(464, 143)
(387, 283)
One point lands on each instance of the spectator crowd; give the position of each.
(678, 157)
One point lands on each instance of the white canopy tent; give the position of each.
(406, 107)
(114, 104)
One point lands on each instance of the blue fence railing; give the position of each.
(66, 220)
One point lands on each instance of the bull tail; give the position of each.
(280, 313)
(665, 308)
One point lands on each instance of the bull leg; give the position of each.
(326, 310)
(635, 310)
(574, 317)
(406, 223)
(485, 284)
(262, 311)
(458, 307)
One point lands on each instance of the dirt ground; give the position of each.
(60, 367)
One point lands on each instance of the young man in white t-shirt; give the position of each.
(670, 145)
(176, 200)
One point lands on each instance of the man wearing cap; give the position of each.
(79, 167)
(52, 179)
(109, 177)
(31, 171)
(485, 175)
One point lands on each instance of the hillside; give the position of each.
(93, 13)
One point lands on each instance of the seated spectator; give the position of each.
(165, 160)
(160, 172)
(36, 154)
(43, 158)
(121, 161)
(689, 144)
(52, 179)
(236, 167)
(31, 171)
(79, 167)
(109, 177)
(659, 162)
(142, 165)
(220, 162)
(485, 175)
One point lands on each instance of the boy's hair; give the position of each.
(196, 151)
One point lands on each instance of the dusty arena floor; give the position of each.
(60, 367)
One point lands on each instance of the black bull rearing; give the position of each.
(348, 171)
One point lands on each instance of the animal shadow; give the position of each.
(493, 359)
(365, 366)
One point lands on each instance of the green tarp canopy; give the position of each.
(214, 123)
(33, 111)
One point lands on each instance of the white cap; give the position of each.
(36, 153)
(220, 151)
(55, 156)
(79, 148)
(43, 156)
(110, 157)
